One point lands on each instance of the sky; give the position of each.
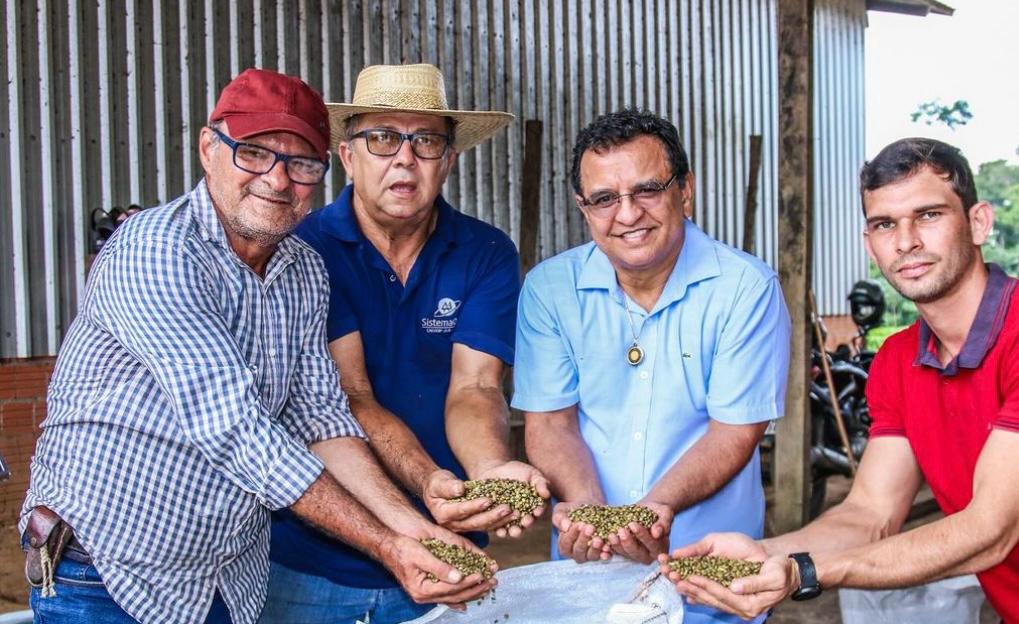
(972, 55)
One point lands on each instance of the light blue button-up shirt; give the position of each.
(716, 346)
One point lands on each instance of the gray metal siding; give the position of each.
(839, 116)
(103, 102)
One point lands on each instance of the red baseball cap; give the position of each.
(259, 101)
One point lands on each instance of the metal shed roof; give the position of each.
(910, 7)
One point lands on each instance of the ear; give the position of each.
(687, 193)
(346, 154)
(981, 222)
(579, 200)
(206, 143)
(867, 246)
(450, 159)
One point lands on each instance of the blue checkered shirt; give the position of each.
(180, 411)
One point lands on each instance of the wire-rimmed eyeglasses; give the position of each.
(646, 196)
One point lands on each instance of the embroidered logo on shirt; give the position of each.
(441, 323)
(447, 307)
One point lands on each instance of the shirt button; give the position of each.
(392, 277)
(634, 494)
(638, 435)
(272, 351)
(644, 375)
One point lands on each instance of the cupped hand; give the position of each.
(643, 544)
(461, 516)
(411, 563)
(518, 471)
(577, 539)
(747, 597)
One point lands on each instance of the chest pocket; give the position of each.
(597, 381)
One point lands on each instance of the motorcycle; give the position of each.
(849, 370)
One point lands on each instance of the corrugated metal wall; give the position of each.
(104, 99)
(839, 117)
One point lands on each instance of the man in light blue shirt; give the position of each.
(650, 360)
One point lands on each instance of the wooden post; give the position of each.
(750, 207)
(530, 190)
(530, 225)
(795, 241)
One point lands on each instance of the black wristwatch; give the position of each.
(809, 587)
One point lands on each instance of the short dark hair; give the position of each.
(614, 129)
(905, 157)
(450, 128)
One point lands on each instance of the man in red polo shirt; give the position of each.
(944, 397)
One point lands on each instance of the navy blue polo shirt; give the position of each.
(463, 288)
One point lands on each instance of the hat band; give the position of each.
(421, 101)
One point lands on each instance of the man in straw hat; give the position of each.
(189, 388)
(421, 323)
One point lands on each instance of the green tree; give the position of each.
(998, 183)
(932, 112)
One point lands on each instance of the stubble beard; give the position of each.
(274, 230)
(952, 272)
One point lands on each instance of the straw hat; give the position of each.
(416, 89)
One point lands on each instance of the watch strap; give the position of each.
(809, 585)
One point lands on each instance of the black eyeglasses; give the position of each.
(385, 142)
(646, 196)
(257, 159)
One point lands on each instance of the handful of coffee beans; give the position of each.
(521, 496)
(607, 520)
(467, 562)
(719, 569)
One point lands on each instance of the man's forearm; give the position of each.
(847, 525)
(330, 508)
(352, 464)
(708, 465)
(395, 445)
(561, 454)
(477, 427)
(957, 544)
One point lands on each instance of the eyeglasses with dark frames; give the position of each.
(386, 142)
(260, 160)
(646, 196)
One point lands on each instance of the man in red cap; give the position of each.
(194, 393)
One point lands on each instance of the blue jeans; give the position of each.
(82, 599)
(298, 598)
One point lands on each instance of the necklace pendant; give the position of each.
(634, 355)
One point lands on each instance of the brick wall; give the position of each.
(22, 407)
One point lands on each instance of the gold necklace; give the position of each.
(635, 354)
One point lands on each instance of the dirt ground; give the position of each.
(533, 547)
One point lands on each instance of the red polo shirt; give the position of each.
(947, 412)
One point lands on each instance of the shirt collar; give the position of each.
(697, 261)
(340, 221)
(211, 228)
(983, 333)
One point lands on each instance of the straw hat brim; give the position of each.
(472, 127)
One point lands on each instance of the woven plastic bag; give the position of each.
(564, 592)
(956, 600)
